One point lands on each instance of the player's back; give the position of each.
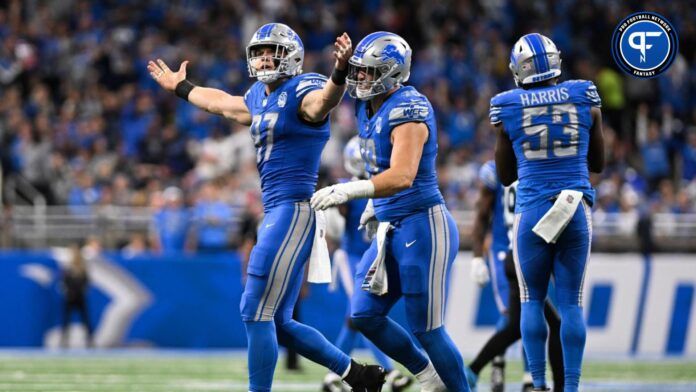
(550, 129)
(403, 106)
(288, 148)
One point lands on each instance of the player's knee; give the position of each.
(429, 337)
(247, 308)
(369, 323)
(567, 297)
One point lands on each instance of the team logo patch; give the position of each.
(644, 44)
(282, 99)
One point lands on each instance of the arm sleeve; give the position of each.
(308, 83)
(248, 96)
(494, 111)
(415, 110)
(588, 95)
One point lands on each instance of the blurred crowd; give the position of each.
(82, 121)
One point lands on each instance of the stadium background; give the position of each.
(89, 145)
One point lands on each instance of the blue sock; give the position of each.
(262, 354)
(534, 334)
(393, 340)
(346, 339)
(573, 342)
(445, 357)
(525, 362)
(381, 358)
(313, 345)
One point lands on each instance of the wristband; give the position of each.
(338, 77)
(359, 189)
(183, 89)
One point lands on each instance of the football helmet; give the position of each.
(288, 52)
(534, 58)
(381, 61)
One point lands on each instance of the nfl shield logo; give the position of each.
(378, 125)
(282, 99)
(570, 199)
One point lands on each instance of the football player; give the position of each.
(496, 208)
(417, 239)
(287, 112)
(354, 243)
(549, 136)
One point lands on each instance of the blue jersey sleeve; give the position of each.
(494, 113)
(249, 95)
(498, 103)
(307, 83)
(488, 175)
(415, 109)
(585, 92)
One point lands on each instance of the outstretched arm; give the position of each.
(317, 104)
(209, 99)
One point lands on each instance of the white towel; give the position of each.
(552, 224)
(376, 279)
(319, 261)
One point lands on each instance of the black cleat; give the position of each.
(365, 378)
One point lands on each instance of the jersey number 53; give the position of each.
(541, 131)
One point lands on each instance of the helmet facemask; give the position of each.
(280, 61)
(365, 82)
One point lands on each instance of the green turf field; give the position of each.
(200, 371)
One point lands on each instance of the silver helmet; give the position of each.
(383, 59)
(288, 52)
(352, 158)
(534, 58)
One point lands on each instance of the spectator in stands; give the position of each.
(171, 224)
(135, 247)
(83, 193)
(655, 157)
(212, 220)
(688, 154)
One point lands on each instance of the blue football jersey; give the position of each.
(354, 241)
(499, 230)
(550, 130)
(288, 148)
(403, 106)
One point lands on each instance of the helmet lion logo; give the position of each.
(391, 52)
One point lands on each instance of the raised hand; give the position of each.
(164, 76)
(342, 52)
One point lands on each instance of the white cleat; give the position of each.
(333, 383)
(430, 381)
